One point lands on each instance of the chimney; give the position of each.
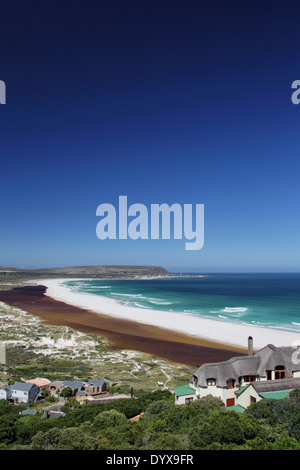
(250, 346)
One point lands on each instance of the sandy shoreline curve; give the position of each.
(120, 333)
(219, 331)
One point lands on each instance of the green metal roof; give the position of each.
(28, 411)
(241, 389)
(237, 408)
(184, 390)
(276, 395)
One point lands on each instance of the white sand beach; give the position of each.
(223, 332)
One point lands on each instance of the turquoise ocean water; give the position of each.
(271, 300)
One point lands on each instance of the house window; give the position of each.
(252, 400)
(230, 383)
(279, 372)
(269, 374)
(188, 400)
(249, 378)
(211, 382)
(195, 381)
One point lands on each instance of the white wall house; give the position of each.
(230, 379)
(22, 392)
(184, 394)
(5, 393)
(256, 391)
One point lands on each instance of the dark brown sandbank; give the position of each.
(122, 334)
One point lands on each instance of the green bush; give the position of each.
(157, 407)
(207, 404)
(63, 439)
(223, 427)
(7, 428)
(167, 441)
(109, 419)
(123, 436)
(66, 392)
(295, 396)
(262, 411)
(286, 443)
(276, 413)
(26, 427)
(201, 436)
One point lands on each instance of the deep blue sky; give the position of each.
(162, 101)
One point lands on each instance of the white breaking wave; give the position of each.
(160, 302)
(139, 305)
(127, 295)
(234, 309)
(151, 300)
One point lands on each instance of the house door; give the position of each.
(230, 402)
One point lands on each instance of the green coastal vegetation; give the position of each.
(36, 349)
(202, 425)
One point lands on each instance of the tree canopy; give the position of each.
(203, 424)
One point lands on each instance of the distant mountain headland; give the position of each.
(113, 271)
